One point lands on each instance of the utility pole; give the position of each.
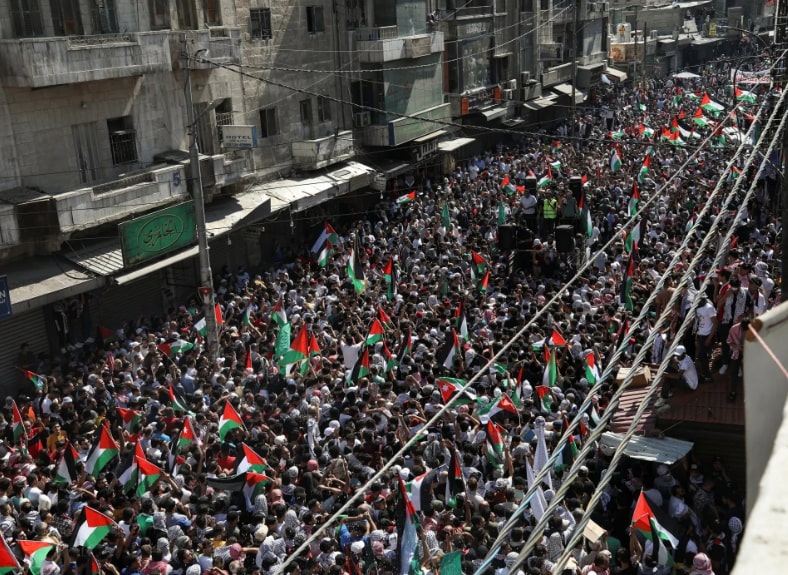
(574, 63)
(206, 275)
(645, 51)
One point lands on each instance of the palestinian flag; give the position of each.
(179, 346)
(177, 403)
(556, 338)
(545, 397)
(550, 375)
(327, 235)
(355, 271)
(406, 198)
(557, 146)
(102, 452)
(407, 538)
(450, 349)
(626, 284)
(508, 186)
(733, 173)
(35, 553)
(445, 215)
(375, 333)
(556, 165)
(391, 361)
(699, 118)
(37, 380)
(568, 454)
(644, 169)
(147, 475)
(17, 425)
(675, 140)
(502, 403)
(229, 420)
(278, 313)
(450, 387)
(644, 520)
(711, 106)
(187, 436)
(485, 283)
(361, 369)
(131, 419)
(299, 348)
(460, 321)
(585, 215)
(325, 254)
(67, 468)
(248, 367)
(405, 347)
(615, 160)
(314, 348)
(420, 490)
(107, 335)
(546, 179)
(744, 96)
(389, 276)
(494, 445)
(251, 461)
(592, 372)
(8, 561)
(254, 484)
(479, 264)
(93, 528)
(455, 480)
(384, 318)
(646, 131)
(129, 476)
(95, 567)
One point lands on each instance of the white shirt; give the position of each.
(690, 373)
(705, 316)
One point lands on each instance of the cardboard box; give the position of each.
(641, 378)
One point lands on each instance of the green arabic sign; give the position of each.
(156, 234)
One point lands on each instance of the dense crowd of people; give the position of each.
(254, 450)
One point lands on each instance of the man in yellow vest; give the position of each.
(549, 213)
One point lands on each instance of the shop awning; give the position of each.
(615, 76)
(539, 104)
(494, 113)
(666, 450)
(512, 122)
(36, 282)
(456, 143)
(430, 136)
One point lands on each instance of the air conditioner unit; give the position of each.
(362, 119)
(525, 78)
(512, 85)
(653, 35)
(508, 94)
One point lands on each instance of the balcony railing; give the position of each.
(376, 33)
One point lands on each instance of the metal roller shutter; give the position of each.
(120, 304)
(30, 327)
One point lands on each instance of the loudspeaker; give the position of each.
(507, 238)
(576, 187)
(530, 184)
(564, 239)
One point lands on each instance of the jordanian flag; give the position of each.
(187, 436)
(644, 169)
(585, 215)
(355, 271)
(744, 96)
(450, 349)
(592, 372)
(131, 419)
(494, 445)
(147, 475)
(644, 520)
(254, 485)
(102, 452)
(450, 387)
(406, 198)
(177, 403)
(550, 375)
(375, 333)
(389, 276)
(327, 235)
(615, 160)
(229, 420)
(502, 403)
(67, 468)
(8, 561)
(17, 425)
(35, 553)
(93, 528)
(325, 254)
(251, 461)
(278, 314)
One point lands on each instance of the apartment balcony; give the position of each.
(323, 152)
(220, 44)
(229, 168)
(402, 130)
(42, 62)
(381, 44)
(466, 10)
(116, 200)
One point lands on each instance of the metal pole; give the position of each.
(206, 275)
(645, 51)
(574, 62)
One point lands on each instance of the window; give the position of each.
(544, 4)
(159, 14)
(314, 19)
(260, 23)
(306, 119)
(224, 117)
(26, 15)
(85, 150)
(500, 6)
(323, 109)
(187, 15)
(213, 16)
(269, 125)
(105, 17)
(66, 19)
(122, 140)
(526, 5)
